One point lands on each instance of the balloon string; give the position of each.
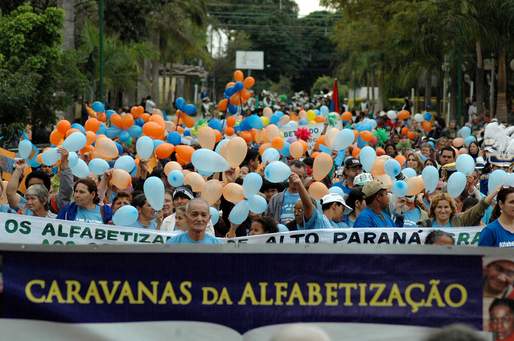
(178, 121)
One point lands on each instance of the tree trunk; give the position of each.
(428, 89)
(69, 23)
(501, 99)
(156, 65)
(479, 79)
(453, 92)
(373, 80)
(381, 91)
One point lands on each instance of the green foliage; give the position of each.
(322, 83)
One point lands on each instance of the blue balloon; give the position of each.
(343, 139)
(140, 122)
(361, 143)
(190, 109)
(33, 162)
(323, 110)
(204, 173)
(464, 132)
(144, 147)
(325, 149)
(81, 170)
(125, 136)
(74, 142)
(468, 140)
(409, 172)
(496, 178)
(125, 162)
(392, 168)
(277, 171)
(303, 122)
(430, 176)
(230, 91)
(399, 188)
(98, 106)
(98, 166)
(270, 154)
(243, 126)
(73, 158)
(215, 215)
(427, 116)
(157, 143)
(187, 132)
(209, 161)
(119, 147)
(456, 184)
(239, 212)
(252, 184)
(51, 156)
(285, 150)
(125, 216)
(336, 190)
(174, 138)
(257, 204)
(238, 86)
(79, 127)
(109, 113)
(316, 111)
(176, 178)
(279, 114)
(135, 131)
(154, 192)
(233, 109)
(179, 103)
(102, 130)
(25, 149)
(214, 123)
(254, 121)
(367, 157)
(274, 119)
(465, 164)
(112, 132)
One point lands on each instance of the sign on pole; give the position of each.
(250, 60)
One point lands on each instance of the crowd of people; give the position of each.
(350, 194)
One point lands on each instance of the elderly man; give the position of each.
(197, 218)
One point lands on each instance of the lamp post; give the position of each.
(101, 57)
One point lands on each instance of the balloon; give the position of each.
(50, 156)
(336, 190)
(468, 140)
(318, 190)
(206, 137)
(208, 161)
(176, 178)
(125, 216)
(56, 138)
(418, 118)
(74, 142)
(427, 116)
(194, 180)
(135, 131)
(180, 102)
(236, 151)
(465, 164)
(144, 147)
(391, 114)
(215, 215)
(238, 76)
(496, 178)
(127, 121)
(98, 106)
(164, 150)
(456, 184)
(408, 172)
(112, 132)
(125, 137)
(296, 149)
(464, 132)
(277, 171)
(257, 204)
(285, 150)
(403, 115)
(184, 154)
(346, 116)
(252, 184)
(509, 179)
(392, 168)
(415, 185)
(92, 124)
(73, 158)
(270, 154)
(239, 212)
(153, 129)
(430, 176)
(367, 157)
(249, 82)
(154, 192)
(98, 166)
(233, 192)
(399, 188)
(63, 126)
(121, 179)
(174, 138)
(277, 143)
(125, 162)
(212, 191)
(25, 149)
(190, 109)
(322, 166)
(343, 139)
(81, 170)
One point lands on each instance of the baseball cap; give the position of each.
(372, 187)
(362, 178)
(334, 197)
(352, 162)
(183, 191)
(480, 163)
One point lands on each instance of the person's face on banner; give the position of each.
(501, 322)
(499, 275)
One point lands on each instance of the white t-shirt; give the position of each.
(149, 106)
(168, 225)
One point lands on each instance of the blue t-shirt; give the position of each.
(342, 185)
(184, 238)
(320, 221)
(6, 209)
(287, 212)
(495, 235)
(368, 218)
(412, 217)
(151, 226)
(436, 224)
(89, 216)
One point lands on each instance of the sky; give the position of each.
(308, 6)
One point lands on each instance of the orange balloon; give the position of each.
(319, 119)
(63, 126)
(271, 131)
(314, 155)
(233, 192)
(229, 131)
(222, 105)
(231, 121)
(236, 151)
(218, 135)
(90, 137)
(366, 135)
(249, 82)
(245, 95)
(180, 130)
(427, 126)
(405, 131)
(137, 111)
(247, 136)
(318, 190)
(235, 99)
(87, 149)
(105, 148)
(92, 124)
(304, 145)
(71, 131)
(239, 76)
(356, 152)
(164, 150)
(188, 121)
(322, 166)
(116, 120)
(321, 140)
(195, 180)
(212, 191)
(411, 135)
(184, 154)
(378, 166)
(153, 130)
(346, 116)
(206, 137)
(263, 148)
(296, 149)
(401, 159)
(158, 119)
(101, 117)
(380, 151)
(145, 117)
(415, 185)
(172, 165)
(121, 178)
(127, 121)
(56, 138)
(277, 143)
(403, 115)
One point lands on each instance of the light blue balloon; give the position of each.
(282, 228)
(176, 178)
(343, 139)
(215, 215)
(109, 113)
(125, 216)
(81, 170)
(239, 212)
(400, 188)
(456, 184)
(325, 149)
(496, 179)
(303, 122)
(323, 111)
(125, 136)
(220, 145)
(254, 121)
(101, 131)
(25, 149)
(157, 143)
(125, 162)
(98, 166)
(509, 179)
(135, 131)
(430, 176)
(373, 123)
(112, 132)
(367, 157)
(465, 164)
(144, 147)
(51, 156)
(257, 204)
(468, 140)
(74, 142)
(285, 150)
(204, 173)
(464, 132)
(208, 161)
(73, 158)
(392, 168)
(270, 154)
(98, 106)
(252, 184)
(336, 190)
(409, 172)
(277, 171)
(154, 192)
(80, 127)
(427, 116)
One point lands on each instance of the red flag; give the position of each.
(335, 98)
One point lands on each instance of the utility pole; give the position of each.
(459, 88)
(101, 57)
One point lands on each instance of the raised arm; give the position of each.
(14, 182)
(65, 181)
(308, 205)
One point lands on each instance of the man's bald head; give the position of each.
(197, 203)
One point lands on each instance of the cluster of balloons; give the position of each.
(236, 93)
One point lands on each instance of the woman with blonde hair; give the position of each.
(414, 162)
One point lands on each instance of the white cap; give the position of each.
(334, 197)
(362, 178)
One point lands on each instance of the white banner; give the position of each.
(22, 229)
